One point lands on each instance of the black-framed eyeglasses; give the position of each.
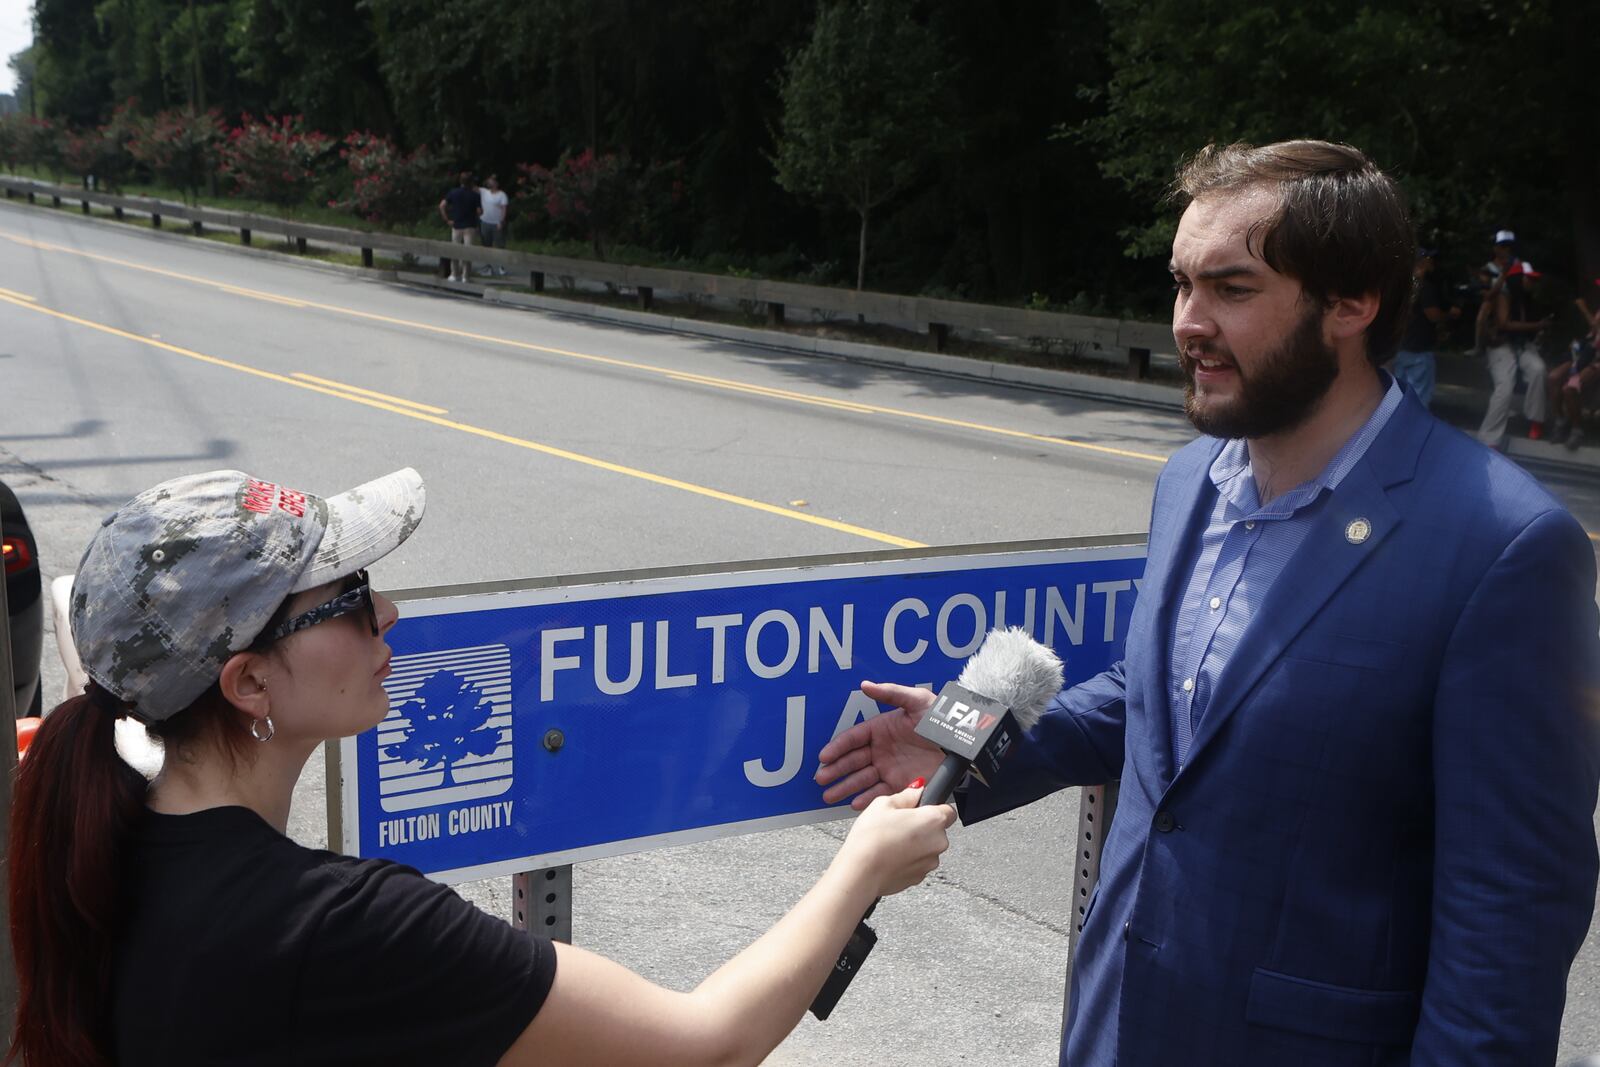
(356, 597)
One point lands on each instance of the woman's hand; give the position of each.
(895, 844)
(600, 1012)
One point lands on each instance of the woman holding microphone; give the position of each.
(173, 922)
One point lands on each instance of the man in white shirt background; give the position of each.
(496, 215)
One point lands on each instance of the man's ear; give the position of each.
(244, 683)
(1348, 317)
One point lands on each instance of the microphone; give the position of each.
(1001, 692)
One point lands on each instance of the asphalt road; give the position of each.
(555, 445)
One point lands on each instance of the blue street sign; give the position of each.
(542, 726)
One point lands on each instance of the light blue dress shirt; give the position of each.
(1243, 549)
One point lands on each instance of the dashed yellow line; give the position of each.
(852, 406)
(397, 408)
(343, 387)
(19, 296)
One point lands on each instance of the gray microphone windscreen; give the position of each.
(1014, 669)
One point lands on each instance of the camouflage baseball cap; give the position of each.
(188, 573)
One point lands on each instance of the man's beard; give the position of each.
(1278, 394)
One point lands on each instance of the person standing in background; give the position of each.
(1576, 378)
(494, 218)
(1512, 346)
(1414, 363)
(460, 209)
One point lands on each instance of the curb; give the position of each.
(1549, 454)
(1068, 383)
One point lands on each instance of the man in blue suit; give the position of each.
(1356, 722)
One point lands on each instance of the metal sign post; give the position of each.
(542, 902)
(1097, 806)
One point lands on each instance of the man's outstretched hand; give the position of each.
(883, 754)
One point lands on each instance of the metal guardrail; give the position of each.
(934, 316)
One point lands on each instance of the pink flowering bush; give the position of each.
(585, 195)
(178, 147)
(276, 159)
(602, 199)
(80, 151)
(387, 186)
(30, 142)
(103, 151)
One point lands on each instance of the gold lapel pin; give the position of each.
(1358, 531)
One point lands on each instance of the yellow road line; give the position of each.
(253, 294)
(19, 296)
(341, 386)
(852, 406)
(478, 431)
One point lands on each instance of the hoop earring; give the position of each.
(271, 730)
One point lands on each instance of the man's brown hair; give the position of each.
(1340, 227)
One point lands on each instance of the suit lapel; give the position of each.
(1175, 527)
(1351, 525)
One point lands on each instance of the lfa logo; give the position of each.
(447, 737)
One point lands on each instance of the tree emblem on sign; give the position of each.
(449, 721)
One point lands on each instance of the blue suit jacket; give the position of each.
(1380, 850)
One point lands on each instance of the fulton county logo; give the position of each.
(447, 737)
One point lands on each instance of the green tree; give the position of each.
(134, 29)
(168, 52)
(433, 59)
(316, 58)
(70, 61)
(24, 65)
(1470, 103)
(861, 117)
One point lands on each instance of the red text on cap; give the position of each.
(261, 496)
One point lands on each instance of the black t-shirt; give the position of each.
(1422, 335)
(246, 948)
(1519, 308)
(462, 204)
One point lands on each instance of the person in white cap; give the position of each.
(1510, 345)
(1503, 254)
(173, 922)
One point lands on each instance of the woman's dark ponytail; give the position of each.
(73, 808)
